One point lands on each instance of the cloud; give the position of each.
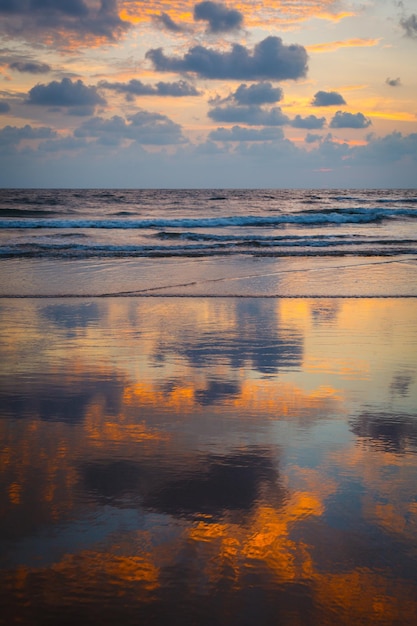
(349, 120)
(388, 161)
(80, 98)
(251, 115)
(390, 148)
(62, 20)
(409, 25)
(143, 127)
(4, 106)
(312, 138)
(219, 17)
(240, 133)
(393, 82)
(64, 144)
(178, 89)
(260, 93)
(310, 122)
(165, 21)
(327, 99)
(270, 59)
(137, 88)
(13, 135)
(30, 67)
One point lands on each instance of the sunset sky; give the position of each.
(129, 93)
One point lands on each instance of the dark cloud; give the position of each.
(219, 17)
(30, 67)
(251, 115)
(327, 99)
(58, 19)
(66, 144)
(137, 88)
(143, 127)
(409, 25)
(178, 89)
(393, 82)
(165, 21)
(81, 111)
(312, 138)
(390, 148)
(240, 133)
(270, 59)
(310, 122)
(67, 94)
(12, 135)
(4, 106)
(349, 120)
(260, 93)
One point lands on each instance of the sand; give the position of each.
(221, 276)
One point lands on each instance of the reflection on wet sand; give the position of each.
(209, 462)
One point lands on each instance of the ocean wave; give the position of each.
(248, 246)
(283, 240)
(308, 218)
(25, 213)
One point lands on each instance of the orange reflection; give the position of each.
(14, 493)
(120, 569)
(366, 597)
(285, 400)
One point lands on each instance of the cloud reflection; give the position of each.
(389, 432)
(210, 481)
(257, 339)
(210, 486)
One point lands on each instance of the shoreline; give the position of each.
(301, 277)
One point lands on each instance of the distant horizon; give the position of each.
(209, 188)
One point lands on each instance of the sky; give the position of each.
(146, 93)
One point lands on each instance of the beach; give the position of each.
(209, 438)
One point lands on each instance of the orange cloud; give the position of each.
(255, 12)
(397, 116)
(346, 43)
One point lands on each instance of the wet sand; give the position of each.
(247, 460)
(221, 276)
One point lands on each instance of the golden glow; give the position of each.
(399, 116)
(294, 11)
(347, 43)
(335, 17)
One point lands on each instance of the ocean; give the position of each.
(206, 223)
(208, 407)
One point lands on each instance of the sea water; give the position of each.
(188, 223)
